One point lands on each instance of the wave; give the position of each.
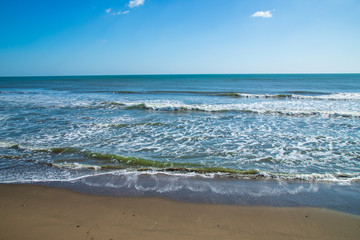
(310, 95)
(122, 162)
(309, 92)
(280, 109)
(64, 159)
(328, 97)
(8, 144)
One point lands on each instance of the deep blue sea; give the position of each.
(229, 135)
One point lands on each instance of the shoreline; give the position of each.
(41, 212)
(236, 192)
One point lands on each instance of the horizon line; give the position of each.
(173, 74)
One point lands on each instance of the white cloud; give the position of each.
(120, 12)
(266, 14)
(132, 4)
(108, 11)
(136, 3)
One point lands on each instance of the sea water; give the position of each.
(231, 135)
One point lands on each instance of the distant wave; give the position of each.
(161, 92)
(329, 97)
(309, 92)
(282, 108)
(292, 95)
(296, 95)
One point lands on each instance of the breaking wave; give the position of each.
(285, 108)
(328, 97)
(77, 159)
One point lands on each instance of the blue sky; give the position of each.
(91, 37)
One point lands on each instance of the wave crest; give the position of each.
(259, 108)
(328, 97)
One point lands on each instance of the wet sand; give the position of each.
(38, 212)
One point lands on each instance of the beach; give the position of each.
(141, 119)
(237, 156)
(40, 212)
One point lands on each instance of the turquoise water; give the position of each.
(261, 127)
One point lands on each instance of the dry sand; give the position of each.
(37, 212)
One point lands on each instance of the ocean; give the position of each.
(267, 139)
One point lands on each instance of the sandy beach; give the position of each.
(38, 212)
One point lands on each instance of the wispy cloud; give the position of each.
(109, 11)
(136, 3)
(121, 12)
(266, 14)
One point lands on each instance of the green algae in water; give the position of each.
(133, 161)
(122, 162)
(267, 160)
(58, 150)
(283, 96)
(113, 104)
(64, 150)
(11, 156)
(230, 95)
(138, 106)
(120, 125)
(141, 164)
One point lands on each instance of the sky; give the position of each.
(120, 37)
